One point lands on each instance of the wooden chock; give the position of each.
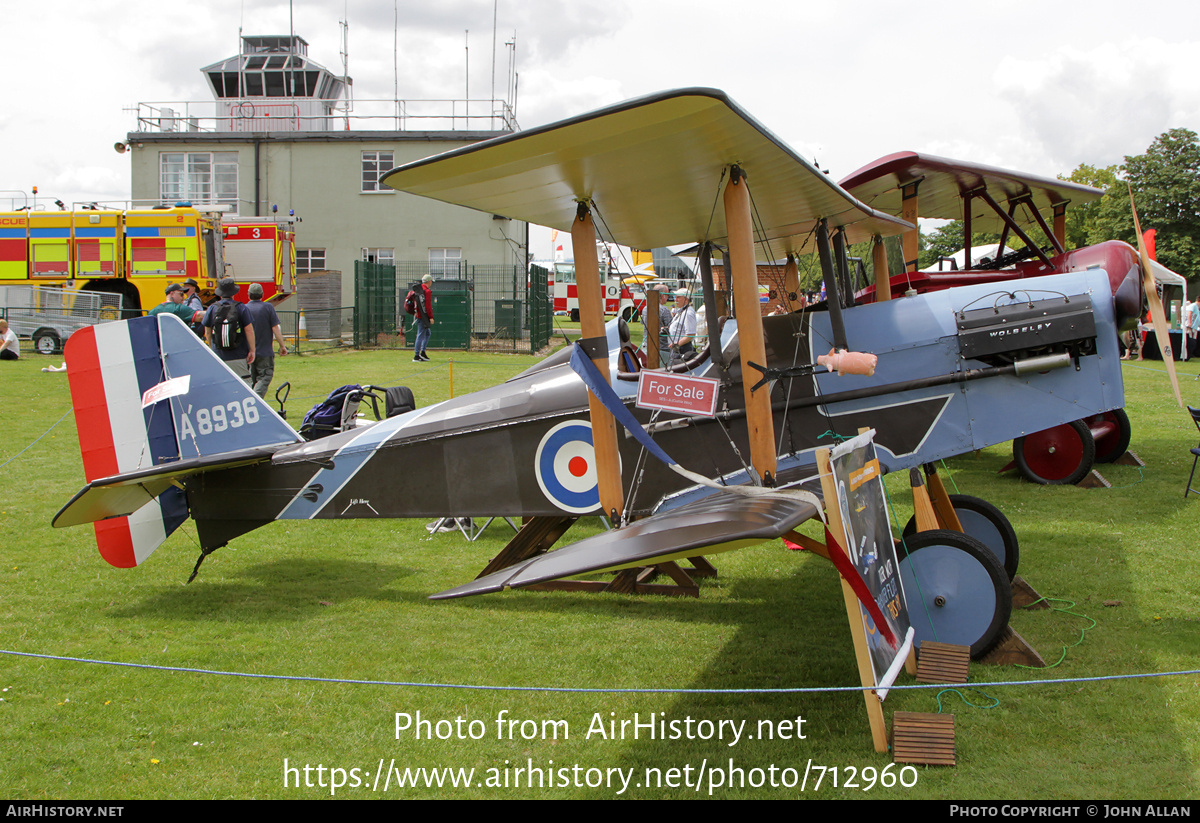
(1013, 650)
(1025, 596)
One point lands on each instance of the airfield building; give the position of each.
(283, 134)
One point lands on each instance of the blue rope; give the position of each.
(464, 686)
(31, 445)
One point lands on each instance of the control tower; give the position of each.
(273, 85)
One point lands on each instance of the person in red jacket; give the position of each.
(424, 318)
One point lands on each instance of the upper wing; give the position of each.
(720, 522)
(943, 183)
(653, 167)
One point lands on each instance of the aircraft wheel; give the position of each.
(987, 524)
(45, 341)
(1059, 456)
(1111, 431)
(956, 590)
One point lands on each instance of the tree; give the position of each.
(1166, 186)
(1081, 217)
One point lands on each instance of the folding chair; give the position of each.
(1195, 452)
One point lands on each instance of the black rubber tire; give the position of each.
(1116, 443)
(46, 341)
(1060, 456)
(987, 524)
(955, 589)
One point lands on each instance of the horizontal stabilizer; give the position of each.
(126, 493)
(720, 522)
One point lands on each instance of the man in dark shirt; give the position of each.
(266, 328)
(234, 344)
(191, 299)
(174, 305)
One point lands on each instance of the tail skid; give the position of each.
(132, 424)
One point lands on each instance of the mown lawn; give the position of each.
(344, 602)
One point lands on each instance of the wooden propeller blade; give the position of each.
(1157, 317)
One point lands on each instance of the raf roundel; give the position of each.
(566, 467)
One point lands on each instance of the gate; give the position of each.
(374, 304)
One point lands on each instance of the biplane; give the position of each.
(168, 432)
(1032, 209)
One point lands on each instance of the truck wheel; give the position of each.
(45, 341)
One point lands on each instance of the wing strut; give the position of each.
(591, 325)
(744, 274)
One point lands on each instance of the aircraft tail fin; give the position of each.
(148, 392)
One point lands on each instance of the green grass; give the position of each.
(348, 601)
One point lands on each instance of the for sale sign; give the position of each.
(678, 393)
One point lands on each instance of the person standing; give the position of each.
(191, 298)
(10, 346)
(683, 325)
(424, 319)
(229, 330)
(664, 324)
(1190, 326)
(174, 304)
(266, 329)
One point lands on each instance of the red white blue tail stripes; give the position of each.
(110, 366)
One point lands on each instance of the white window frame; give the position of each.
(386, 257)
(305, 259)
(438, 258)
(373, 170)
(200, 177)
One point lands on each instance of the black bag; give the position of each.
(227, 325)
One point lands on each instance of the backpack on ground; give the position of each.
(227, 325)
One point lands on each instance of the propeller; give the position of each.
(1157, 317)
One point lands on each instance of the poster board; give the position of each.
(872, 551)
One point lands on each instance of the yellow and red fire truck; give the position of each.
(137, 252)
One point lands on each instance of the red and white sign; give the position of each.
(678, 393)
(168, 388)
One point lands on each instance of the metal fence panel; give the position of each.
(375, 315)
(539, 307)
(485, 307)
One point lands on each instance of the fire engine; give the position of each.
(619, 298)
(136, 252)
(256, 247)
